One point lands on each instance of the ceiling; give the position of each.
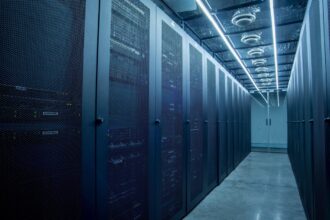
(253, 23)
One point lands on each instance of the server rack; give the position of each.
(326, 25)
(307, 112)
(229, 109)
(210, 121)
(222, 126)
(44, 146)
(196, 150)
(125, 102)
(170, 96)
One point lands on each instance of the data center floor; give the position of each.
(261, 187)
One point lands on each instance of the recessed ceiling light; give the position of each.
(259, 62)
(242, 19)
(262, 69)
(250, 39)
(254, 52)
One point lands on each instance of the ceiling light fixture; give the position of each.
(228, 44)
(259, 62)
(272, 14)
(254, 52)
(243, 19)
(262, 69)
(250, 39)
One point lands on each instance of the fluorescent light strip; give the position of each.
(228, 44)
(272, 14)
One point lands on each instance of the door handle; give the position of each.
(99, 120)
(270, 122)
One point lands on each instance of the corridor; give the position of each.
(261, 188)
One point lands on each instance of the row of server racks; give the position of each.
(109, 110)
(309, 112)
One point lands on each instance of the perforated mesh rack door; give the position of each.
(230, 126)
(172, 158)
(222, 127)
(41, 49)
(212, 153)
(196, 151)
(128, 110)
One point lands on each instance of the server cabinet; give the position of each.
(326, 7)
(47, 53)
(308, 115)
(235, 123)
(318, 69)
(170, 152)
(230, 128)
(126, 79)
(195, 142)
(211, 127)
(241, 125)
(222, 126)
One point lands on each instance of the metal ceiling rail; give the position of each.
(251, 30)
(259, 57)
(270, 65)
(260, 45)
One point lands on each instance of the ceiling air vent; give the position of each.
(256, 52)
(259, 62)
(250, 39)
(242, 19)
(262, 69)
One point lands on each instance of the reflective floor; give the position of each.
(261, 188)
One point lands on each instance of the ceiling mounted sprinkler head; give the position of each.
(254, 52)
(262, 69)
(250, 39)
(259, 62)
(242, 19)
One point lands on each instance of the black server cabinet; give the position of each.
(230, 128)
(170, 153)
(307, 118)
(211, 127)
(318, 70)
(222, 126)
(326, 11)
(125, 82)
(43, 68)
(235, 123)
(196, 152)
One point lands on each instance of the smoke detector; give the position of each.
(250, 39)
(242, 19)
(262, 69)
(256, 52)
(259, 62)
